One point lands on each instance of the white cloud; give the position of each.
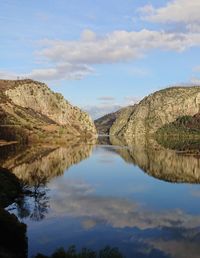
(88, 35)
(196, 77)
(196, 69)
(106, 98)
(108, 104)
(74, 59)
(193, 27)
(7, 75)
(61, 71)
(97, 111)
(118, 46)
(131, 100)
(179, 11)
(195, 81)
(146, 10)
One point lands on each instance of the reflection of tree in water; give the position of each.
(107, 252)
(39, 196)
(35, 167)
(35, 202)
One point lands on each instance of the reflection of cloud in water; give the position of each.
(195, 193)
(185, 247)
(106, 160)
(138, 188)
(89, 223)
(77, 199)
(175, 229)
(105, 156)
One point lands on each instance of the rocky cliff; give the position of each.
(29, 110)
(104, 123)
(156, 110)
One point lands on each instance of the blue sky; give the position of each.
(101, 53)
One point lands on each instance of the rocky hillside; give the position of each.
(104, 123)
(30, 111)
(156, 110)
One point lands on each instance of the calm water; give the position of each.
(143, 199)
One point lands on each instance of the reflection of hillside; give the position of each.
(164, 164)
(42, 163)
(13, 241)
(34, 167)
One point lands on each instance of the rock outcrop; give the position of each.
(156, 110)
(30, 110)
(104, 123)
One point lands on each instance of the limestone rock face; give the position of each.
(122, 120)
(32, 104)
(103, 124)
(157, 109)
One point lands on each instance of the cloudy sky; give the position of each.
(101, 53)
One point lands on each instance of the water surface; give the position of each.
(143, 199)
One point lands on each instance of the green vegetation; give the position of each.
(183, 127)
(107, 252)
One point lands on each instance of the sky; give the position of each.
(101, 54)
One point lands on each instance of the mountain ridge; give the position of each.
(154, 111)
(30, 111)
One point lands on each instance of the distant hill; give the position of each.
(104, 123)
(99, 111)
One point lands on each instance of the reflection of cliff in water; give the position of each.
(24, 176)
(34, 167)
(13, 240)
(159, 162)
(39, 164)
